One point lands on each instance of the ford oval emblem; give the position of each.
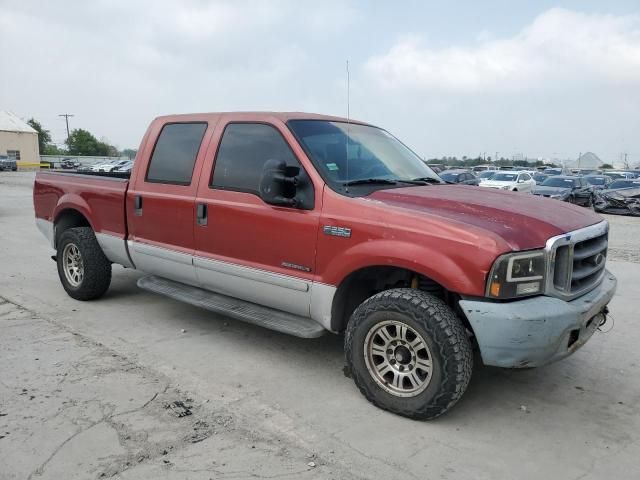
(598, 259)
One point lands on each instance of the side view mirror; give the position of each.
(520, 181)
(278, 183)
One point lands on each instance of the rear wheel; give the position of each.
(84, 271)
(408, 353)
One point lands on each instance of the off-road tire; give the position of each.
(442, 330)
(97, 268)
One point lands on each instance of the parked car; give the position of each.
(598, 182)
(85, 168)
(539, 177)
(264, 222)
(553, 171)
(109, 166)
(583, 172)
(8, 163)
(125, 168)
(486, 175)
(69, 164)
(619, 201)
(482, 168)
(568, 189)
(436, 167)
(620, 175)
(620, 184)
(514, 181)
(462, 177)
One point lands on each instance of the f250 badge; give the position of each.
(337, 231)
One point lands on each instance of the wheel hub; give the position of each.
(398, 358)
(402, 355)
(73, 265)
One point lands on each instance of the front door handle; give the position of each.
(137, 204)
(201, 214)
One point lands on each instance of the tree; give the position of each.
(44, 136)
(82, 142)
(606, 165)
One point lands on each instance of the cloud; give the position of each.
(558, 48)
(117, 63)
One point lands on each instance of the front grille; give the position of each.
(589, 258)
(578, 260)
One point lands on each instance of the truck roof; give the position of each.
(255, 116)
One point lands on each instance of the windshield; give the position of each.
(540, 177)
(559, 182)
(486, 174)
(624, 184)
(595, 180)
(346, 152)
(505, 177)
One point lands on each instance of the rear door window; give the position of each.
(175, 153)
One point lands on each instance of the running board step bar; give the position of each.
(232, 307)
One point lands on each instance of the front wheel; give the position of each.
(84, 271)
(408, 353)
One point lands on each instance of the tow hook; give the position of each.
(605, 319)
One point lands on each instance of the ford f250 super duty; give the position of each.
(306, 223)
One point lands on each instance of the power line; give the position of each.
(66, 118)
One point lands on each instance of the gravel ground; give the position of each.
(624, 239)
(88, 390)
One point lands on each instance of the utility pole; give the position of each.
(66, 118)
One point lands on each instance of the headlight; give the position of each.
(517, 275)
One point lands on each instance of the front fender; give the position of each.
(461, 273)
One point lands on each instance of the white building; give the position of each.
(17, 139)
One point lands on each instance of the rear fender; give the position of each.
(72, 201)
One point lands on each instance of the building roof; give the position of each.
(10, 122)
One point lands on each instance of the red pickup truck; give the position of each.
(307, 223)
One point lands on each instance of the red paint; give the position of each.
(450, 233)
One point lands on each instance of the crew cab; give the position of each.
(307, 223)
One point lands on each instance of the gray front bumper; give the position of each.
(538, 330)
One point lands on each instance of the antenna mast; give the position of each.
(348, 129)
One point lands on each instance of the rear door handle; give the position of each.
(201, 214)
(137, 204)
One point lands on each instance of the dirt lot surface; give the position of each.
(137, 386)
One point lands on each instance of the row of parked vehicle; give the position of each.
(576, 187)
(110, 166)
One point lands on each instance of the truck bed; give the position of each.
(99, 197)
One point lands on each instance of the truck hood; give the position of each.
(522, 220)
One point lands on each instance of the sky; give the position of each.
(539, 78)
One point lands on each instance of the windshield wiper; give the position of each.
(364, 181)
(427, 180)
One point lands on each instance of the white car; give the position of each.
(513, 181)
(109, 166)
(486, 175)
